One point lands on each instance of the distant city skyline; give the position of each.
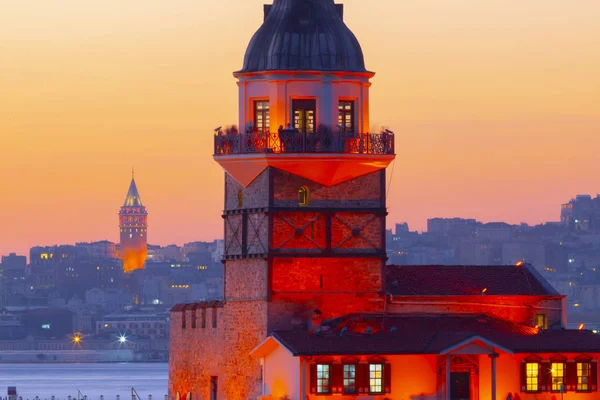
(491, 121)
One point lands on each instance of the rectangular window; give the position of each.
(304, 115)
(262, 119)
(541, 322)
(376, 378)
(182, 320)
(532, 377)
(558, 376)
(583, 376)
(214, 317)
(346, 116)
(350, 379)
(194, 318)
(323, 378)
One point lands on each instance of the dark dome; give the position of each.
(308, 35)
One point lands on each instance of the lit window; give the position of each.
(349, 379)
(240, 199)
(583, 376)
(304, 196)
(558, 376)
(346, 116)
(261, 116)
(376, 378)
(532, 377)
(541, 322)
(323, 378)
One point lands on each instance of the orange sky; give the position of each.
(495, 104)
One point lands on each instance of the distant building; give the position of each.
(111, 300)
(451, 226)
(133, 224)
(101, 249)
(152, 325)
(13, 262)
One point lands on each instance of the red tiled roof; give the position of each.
(431, 334)
(196, 306)
(443, 280)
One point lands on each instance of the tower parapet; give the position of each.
(133, 226)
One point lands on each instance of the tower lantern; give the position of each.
(133, 225)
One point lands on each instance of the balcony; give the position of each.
(293, 142)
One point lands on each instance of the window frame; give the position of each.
(381, 378)
(264, 112)
(320, 379)
(538, 387)
(588, 376)
(354, 365)
(544, 321)
(344, 113)
(554, 364)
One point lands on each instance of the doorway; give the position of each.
(213, 387)
(460, 387)
(304, 115)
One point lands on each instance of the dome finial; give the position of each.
(132, 172)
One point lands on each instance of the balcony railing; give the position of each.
(290, 141)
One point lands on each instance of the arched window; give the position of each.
(240, 199)
(304, 196)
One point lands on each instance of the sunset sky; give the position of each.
(495, 105)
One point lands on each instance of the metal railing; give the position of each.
(290, 141)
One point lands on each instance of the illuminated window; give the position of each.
(262, 118)
(541, 321)
(376, 378)
(349, 379)
(558, 376)
(346, 116)
(323, 378)
(583, 376)
(240, 199)
(532, 374)
(304, 196)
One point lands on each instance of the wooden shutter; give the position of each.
(594, 376)
(337, 378)
(313, 378)
(362, 378)
(387, 377)
(545, 377)
(523, 376)
(570, 376)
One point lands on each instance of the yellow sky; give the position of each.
(495, 104)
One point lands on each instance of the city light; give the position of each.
(76, 338)
(520, 264)
(122, 339)
(581, 326)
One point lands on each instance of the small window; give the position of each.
(558, 376)
(323, 378)
(304, 196)
(214, 317)
(194, 318)
(540, 321)
(240, 199)
(532, 374)
(583, 376)
(376, 378)
(350, 379)
(346, 116)
(183, 320)
(262, 118)
(203, 318)
(214, 380)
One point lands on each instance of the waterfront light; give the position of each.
(76, 339)
(122, 339)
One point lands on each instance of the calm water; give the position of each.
(93, 380)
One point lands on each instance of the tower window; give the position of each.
(304, 115)
(540, 321)
(323, 379)
(558, 376)
(376, 378)
(346, 116)
(583, 376)
(262, 118)
(304, 196)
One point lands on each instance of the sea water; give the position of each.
(92, 380)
